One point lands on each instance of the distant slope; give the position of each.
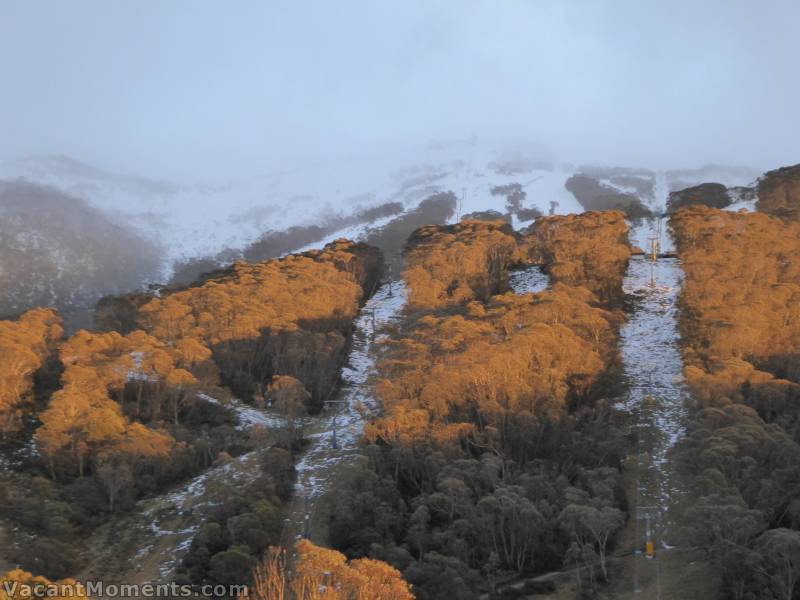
(202, 220)
(57, 250)
(201, 226)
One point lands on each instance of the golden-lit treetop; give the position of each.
(323, 574)
(589, 250)
(742, 285)
(21, 585)
(453, 264)
(25, 344)
(522, 355)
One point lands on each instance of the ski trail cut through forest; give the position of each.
(657, 394)
(354, 405)
(149, 543)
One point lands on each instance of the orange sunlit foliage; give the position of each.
(139, 371)
(741, 308)
(324, 574)
(742, 290)
(448, 265)
(25, 345)
(283, 317)
(519, 357)
(740, 322)
(492, 423)
(589, 250)
(107, 377)
(488, 360)
(19, 585)
(80, 419)
(288, 316)
(227, 309)
(779, 193)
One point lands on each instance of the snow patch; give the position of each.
(341, 425)
(653, 372)
(529, 280)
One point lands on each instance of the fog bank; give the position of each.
(200, 89)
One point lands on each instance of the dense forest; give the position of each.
(595, 195)
(319, 572)
(451, 265)
(429, 300)
(281, 317)
(26, 345)
(589, 250)
(389, 237)
(779, 193)
(495, 455)
(740, 325)
(127, 418)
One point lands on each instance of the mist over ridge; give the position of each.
(214, 134)
(466, 299)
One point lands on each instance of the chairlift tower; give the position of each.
(648, 514)
(655, 240)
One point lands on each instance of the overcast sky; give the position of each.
(176, 88)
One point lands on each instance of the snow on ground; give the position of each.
(354, 232)
(201, 219)
(642, 230)
(15, 457)
(540, 185)
(740, 203)
(728, 176)
(248, 416)
(338, 430)
(652, 359)
(169, 522)
(653, 372)
(197, 493)
(528, 280)
(653, 364)
(748, 205)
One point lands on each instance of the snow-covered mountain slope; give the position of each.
(190, 220)
(740, 182)
(678, 179)
(57, 250)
